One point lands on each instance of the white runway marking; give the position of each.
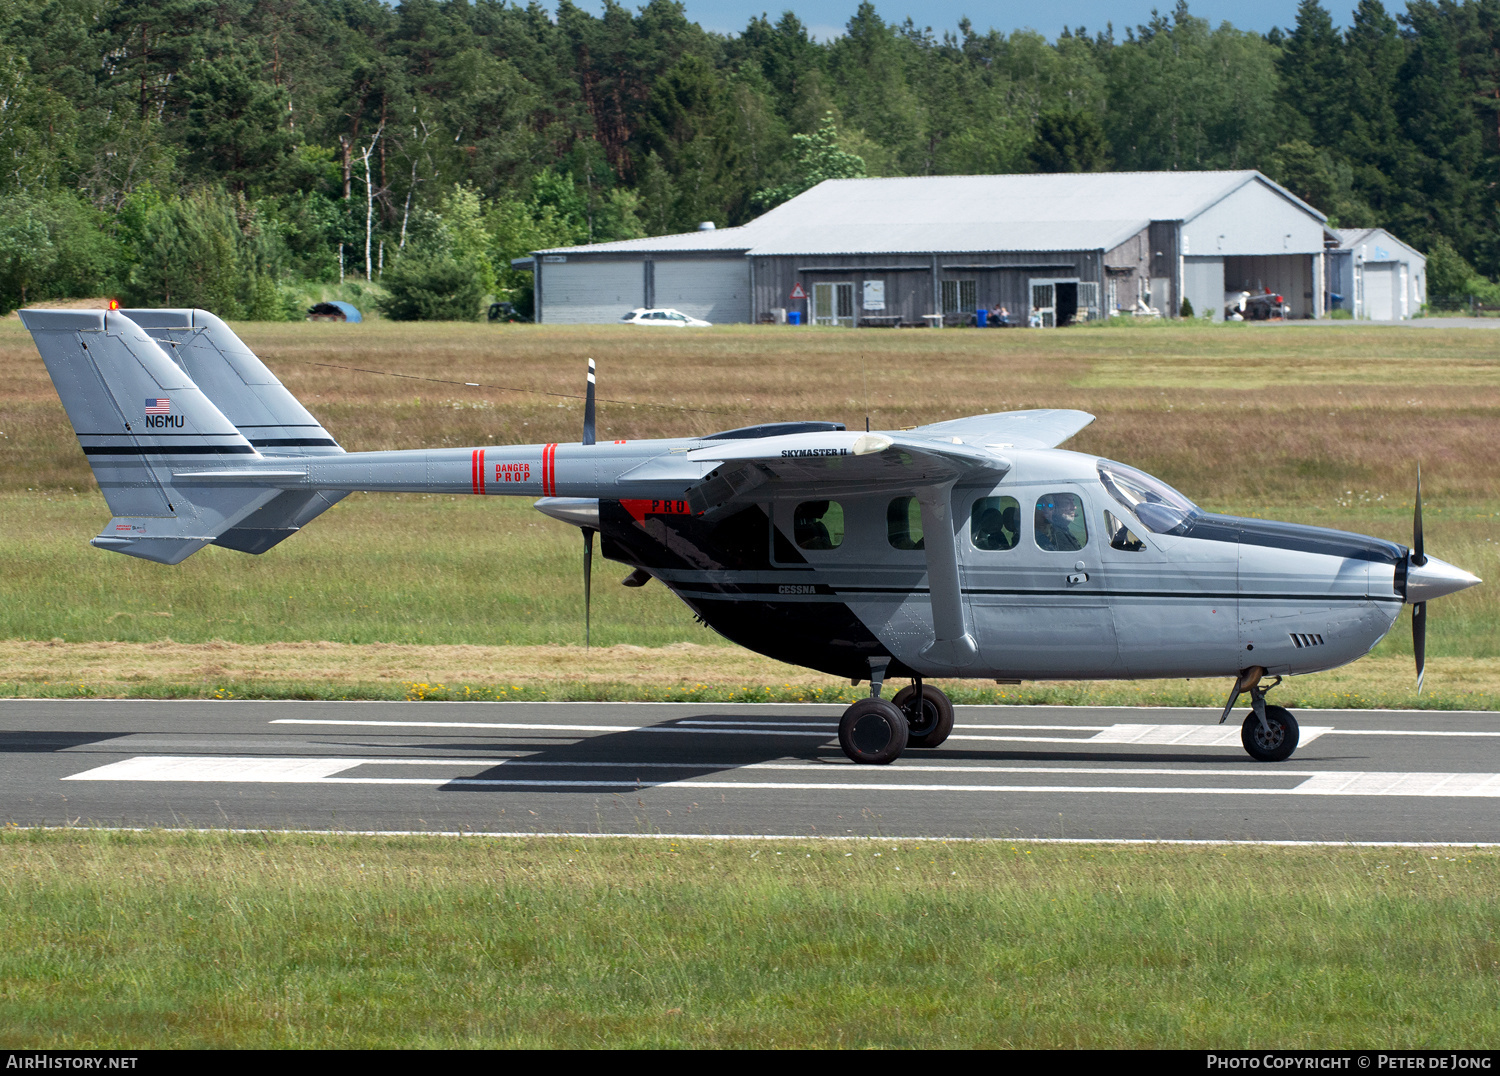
(1191, 735)
(329, 771)
(1403, 732)
(200, 768)
(772, 723)
(1153, 735)
(519, 727)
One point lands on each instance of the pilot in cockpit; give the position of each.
(1056, 523)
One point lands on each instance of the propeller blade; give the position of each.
(588, 582)
(1418, 555)
(588, 408)
(1419, 639)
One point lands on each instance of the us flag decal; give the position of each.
(159, 405)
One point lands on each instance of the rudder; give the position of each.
(273, 420)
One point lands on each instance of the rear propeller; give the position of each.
(588, 532)
(1418, 609)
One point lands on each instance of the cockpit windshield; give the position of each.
(1159, 507)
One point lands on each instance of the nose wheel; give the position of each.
(1273, 741)
(1269, 733)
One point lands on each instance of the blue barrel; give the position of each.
(794, 317)
(981, 317)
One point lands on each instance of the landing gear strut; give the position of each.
(1269, 733)
(875, 732)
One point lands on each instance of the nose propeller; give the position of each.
(1418, 609)
(1427, 578)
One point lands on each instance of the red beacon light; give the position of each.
(114, 304)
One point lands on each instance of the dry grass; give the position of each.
(1231, 414)
(680, 672)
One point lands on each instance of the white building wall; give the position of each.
(1253, 220)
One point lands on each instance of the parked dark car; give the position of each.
(506, 312)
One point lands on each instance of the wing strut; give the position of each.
(952, 644)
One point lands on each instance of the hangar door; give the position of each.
(586, 292)
(1203, 286)
(1380, 291)
(716, 290)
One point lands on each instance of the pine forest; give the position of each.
(251, 156)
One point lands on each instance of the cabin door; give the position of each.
(1037, 592)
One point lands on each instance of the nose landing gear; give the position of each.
(1271, 738)
(1270, 733)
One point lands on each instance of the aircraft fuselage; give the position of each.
(1227, 594)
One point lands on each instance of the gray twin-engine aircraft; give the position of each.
(972, 548)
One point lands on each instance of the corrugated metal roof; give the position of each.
(961, 214)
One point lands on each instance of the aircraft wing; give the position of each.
(1043, 428)
(836, 463)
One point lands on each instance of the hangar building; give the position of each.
(1374, 275)
(869, 251)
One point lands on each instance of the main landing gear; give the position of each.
(875, 731)
(1270, 732)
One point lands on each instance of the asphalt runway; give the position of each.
(707, 769)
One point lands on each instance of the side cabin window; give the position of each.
(903, 524)
(1060, 526)
(1121, 536)
(995, 523)
(818, 525)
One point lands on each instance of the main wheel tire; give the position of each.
(928, 722)
(873, 731)
(1276, 745)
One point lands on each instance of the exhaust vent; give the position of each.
(1303, 641)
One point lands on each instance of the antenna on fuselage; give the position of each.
(588, 532)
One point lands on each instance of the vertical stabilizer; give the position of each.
(138, 415)
(259, 405)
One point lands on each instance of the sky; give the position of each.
(826, 18)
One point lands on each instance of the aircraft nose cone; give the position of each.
(1435, 579)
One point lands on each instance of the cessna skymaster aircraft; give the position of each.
(971, 548)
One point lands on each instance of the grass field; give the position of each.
(216, 940)
(1312, 424)
(166, 940)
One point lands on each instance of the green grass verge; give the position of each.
(218, 940)
(1294, 694)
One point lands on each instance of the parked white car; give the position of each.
(669, 317)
